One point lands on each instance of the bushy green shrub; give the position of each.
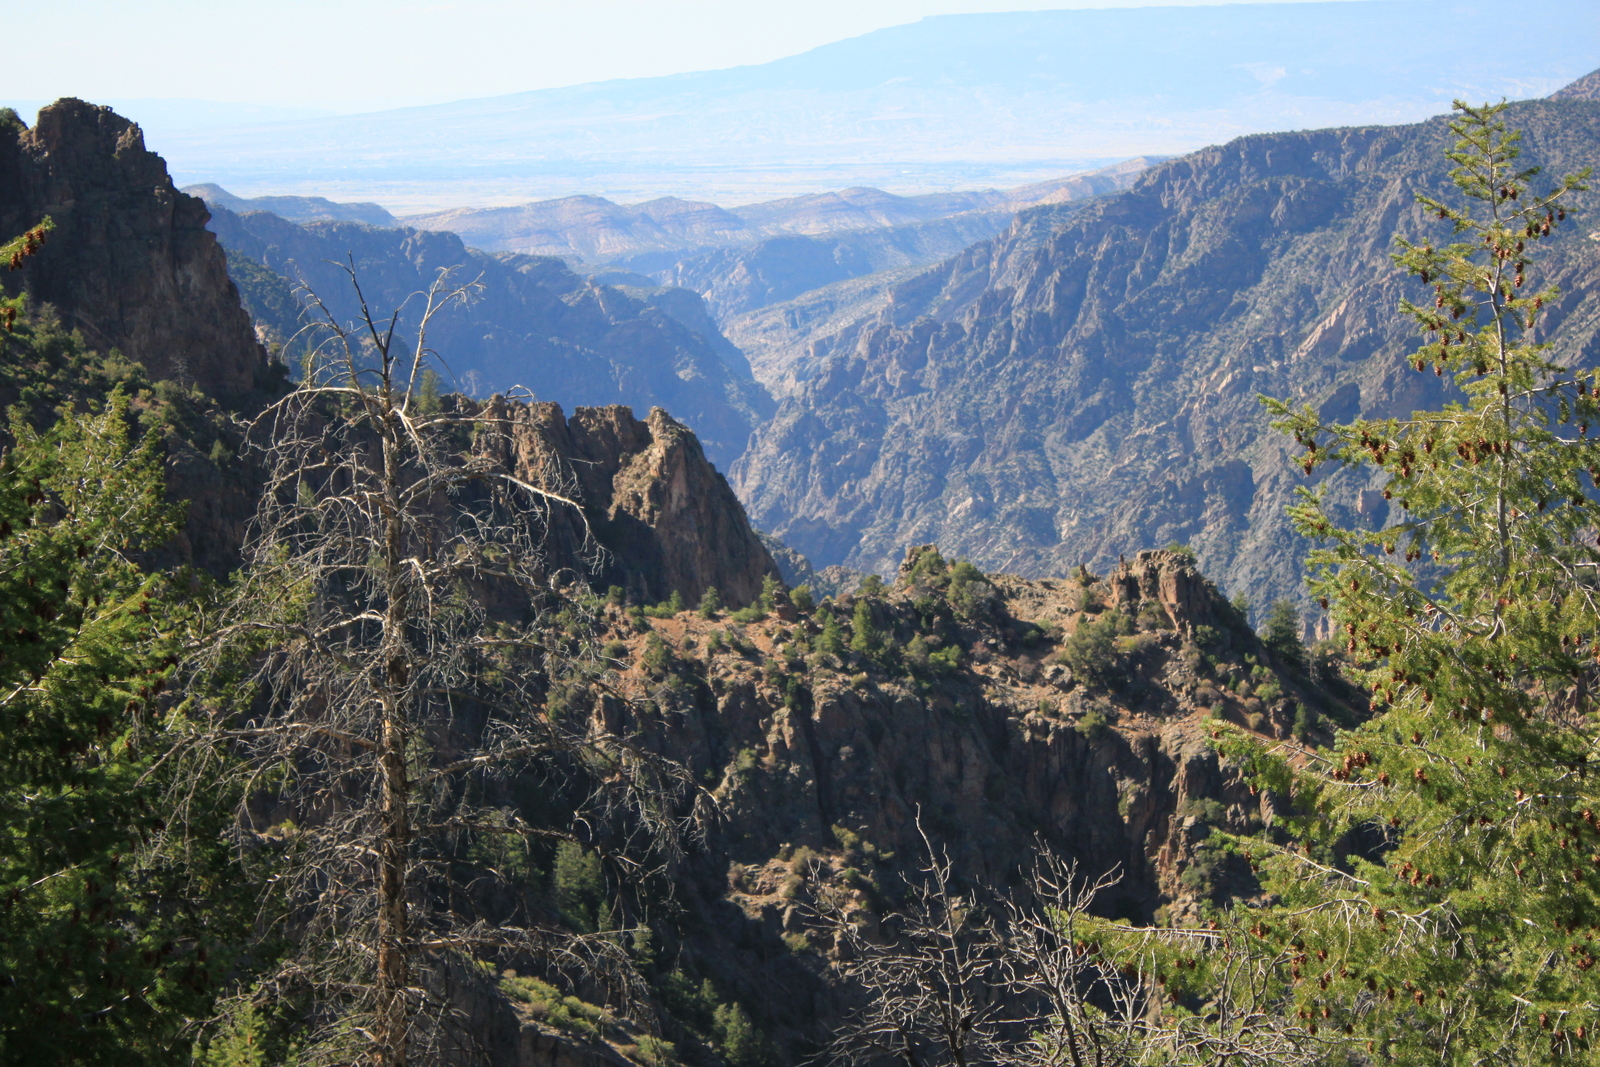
(1091, 651)
(657, 657)
(710, 603)
(667, 608)
(800, 597)
(1093, 726)
(945, 660)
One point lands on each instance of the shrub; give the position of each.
(872, 585)
(770, 587)
(752, 613)
(1092, 653)
(615, 650)
(667, 608)
(657, 658)
(1152, 616)
(1205, 809)
(617, 595)
(655, 1051)
(800, 597)
(1093, 726)
(715, 641)
(946, 659)
(929, 571)
(710, 603)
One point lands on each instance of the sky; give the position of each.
(363, 55)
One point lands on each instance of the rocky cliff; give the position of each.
(1036, 404)
(977, 703)
(663, 517)
(130, 264)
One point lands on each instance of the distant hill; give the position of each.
(973, 100)
(294, 208)
(1585, 88)
(1080, 388)
(598, 230)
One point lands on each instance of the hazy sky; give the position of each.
(358, 55)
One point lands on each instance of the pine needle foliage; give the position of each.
(1445, 906)
(103, 949)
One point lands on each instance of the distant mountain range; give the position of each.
(598, 230)
(953, 100)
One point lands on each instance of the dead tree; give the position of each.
(380, 681)
(1034, 979)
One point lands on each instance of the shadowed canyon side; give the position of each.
(1033, 404)
(130, 263)
(533, 323)
(954, 700)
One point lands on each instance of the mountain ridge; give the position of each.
(1034, 405)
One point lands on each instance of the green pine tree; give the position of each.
(104, 946)
(1462, 930)
(1282, 634)
(831, 639)
(865, 636)
(740, 1043)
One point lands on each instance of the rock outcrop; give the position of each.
(661, 517)
(130, 264)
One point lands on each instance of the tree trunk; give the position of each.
(392, 1022)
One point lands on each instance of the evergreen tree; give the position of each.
(1462, 929)
(102, 952)
(865, 637)
(831, 640)
(1282, 634)
(737, 1037)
